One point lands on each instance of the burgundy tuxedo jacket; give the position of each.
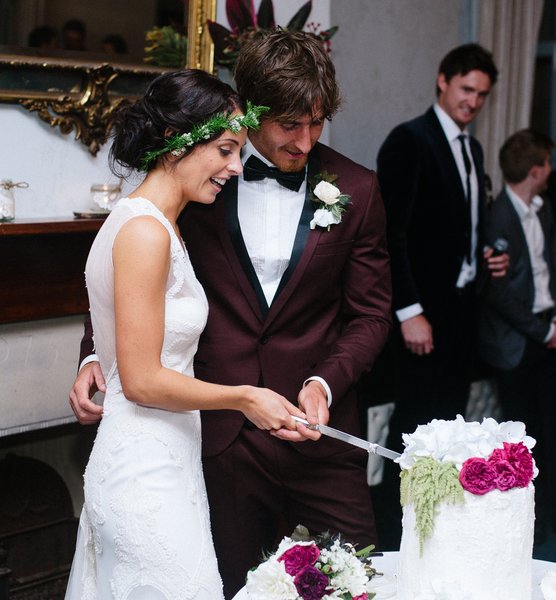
(330, 316)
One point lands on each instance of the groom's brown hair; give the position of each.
(289, 71)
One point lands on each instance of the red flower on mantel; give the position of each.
(245, 22)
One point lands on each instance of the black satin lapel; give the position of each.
(303, 228)
(234, 229)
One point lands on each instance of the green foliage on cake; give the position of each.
(425, 485)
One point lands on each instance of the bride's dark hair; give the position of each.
(173, 103)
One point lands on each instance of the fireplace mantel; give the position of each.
(42, 263)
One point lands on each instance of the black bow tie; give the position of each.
(256, 170)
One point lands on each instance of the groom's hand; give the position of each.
(312, 400)
(89, 380)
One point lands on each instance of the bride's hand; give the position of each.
(268, 410)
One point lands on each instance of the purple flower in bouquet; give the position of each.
(245, 23)
(298, 557)
(477, 476)
(310, 583)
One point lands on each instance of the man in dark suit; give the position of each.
(517, 334)
(297, 307)
(432, 179)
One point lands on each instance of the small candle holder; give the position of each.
(7, 199)
(104, 196)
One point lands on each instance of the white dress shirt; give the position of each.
(468, 270)
(268, 215)
(534, 237)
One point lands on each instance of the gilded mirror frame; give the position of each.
(83, 96)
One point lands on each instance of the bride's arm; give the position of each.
(141, 258)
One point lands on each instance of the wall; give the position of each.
(387, 53)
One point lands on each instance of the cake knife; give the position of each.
(350, 439)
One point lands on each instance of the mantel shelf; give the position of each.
(50, 225)
(43, 264)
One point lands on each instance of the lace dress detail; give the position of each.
(144, 532)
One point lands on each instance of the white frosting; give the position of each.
(481, 549)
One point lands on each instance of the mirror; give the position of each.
(80, 91)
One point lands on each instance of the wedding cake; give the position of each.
(468, 512)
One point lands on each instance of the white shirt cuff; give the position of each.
(408, 312)
(550, 333)
(324, 385)
(88, 359)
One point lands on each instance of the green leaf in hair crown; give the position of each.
(180, 142)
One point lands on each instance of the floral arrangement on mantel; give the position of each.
(303, 568)
(444, 458)
(165, 47)
(245, 22)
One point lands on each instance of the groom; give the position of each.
(301, 310)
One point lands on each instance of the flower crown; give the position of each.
(178, 143)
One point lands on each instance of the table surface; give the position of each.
(385, 587)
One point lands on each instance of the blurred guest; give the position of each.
(74, 33)
(432, 178)
(517, 331)
(114, 44)
(43, 37)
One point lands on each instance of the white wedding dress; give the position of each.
(144, 532)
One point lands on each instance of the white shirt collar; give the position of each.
(451, 130)
(250, 150)
(523, 209)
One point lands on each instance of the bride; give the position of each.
(144, 532)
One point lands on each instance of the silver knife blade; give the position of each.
(350, 439)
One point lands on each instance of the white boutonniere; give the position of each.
(331, 203)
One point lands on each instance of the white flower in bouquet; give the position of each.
(270, 582)
(349, 571)
(548, 586)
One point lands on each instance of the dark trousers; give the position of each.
(435, 386)
(261, 488)
(528, 393)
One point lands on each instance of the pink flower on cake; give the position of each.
(521, 460)
(505, 474)
(477, 476)
(298, 557)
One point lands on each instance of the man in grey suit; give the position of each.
(517, 334)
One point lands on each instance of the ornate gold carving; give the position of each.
(90, 115)
(86, 105)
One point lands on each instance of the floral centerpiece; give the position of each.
(444, 458)
(310, 569)
(245, 23)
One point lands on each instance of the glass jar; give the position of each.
(104, 196)
(7, 198)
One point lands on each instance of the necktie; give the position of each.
(468, 222)
(256, 170)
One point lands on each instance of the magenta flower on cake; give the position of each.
(521, 460)
(477, 476)
(505, 475)
(298, 557)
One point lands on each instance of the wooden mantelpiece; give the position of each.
(42, 264)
